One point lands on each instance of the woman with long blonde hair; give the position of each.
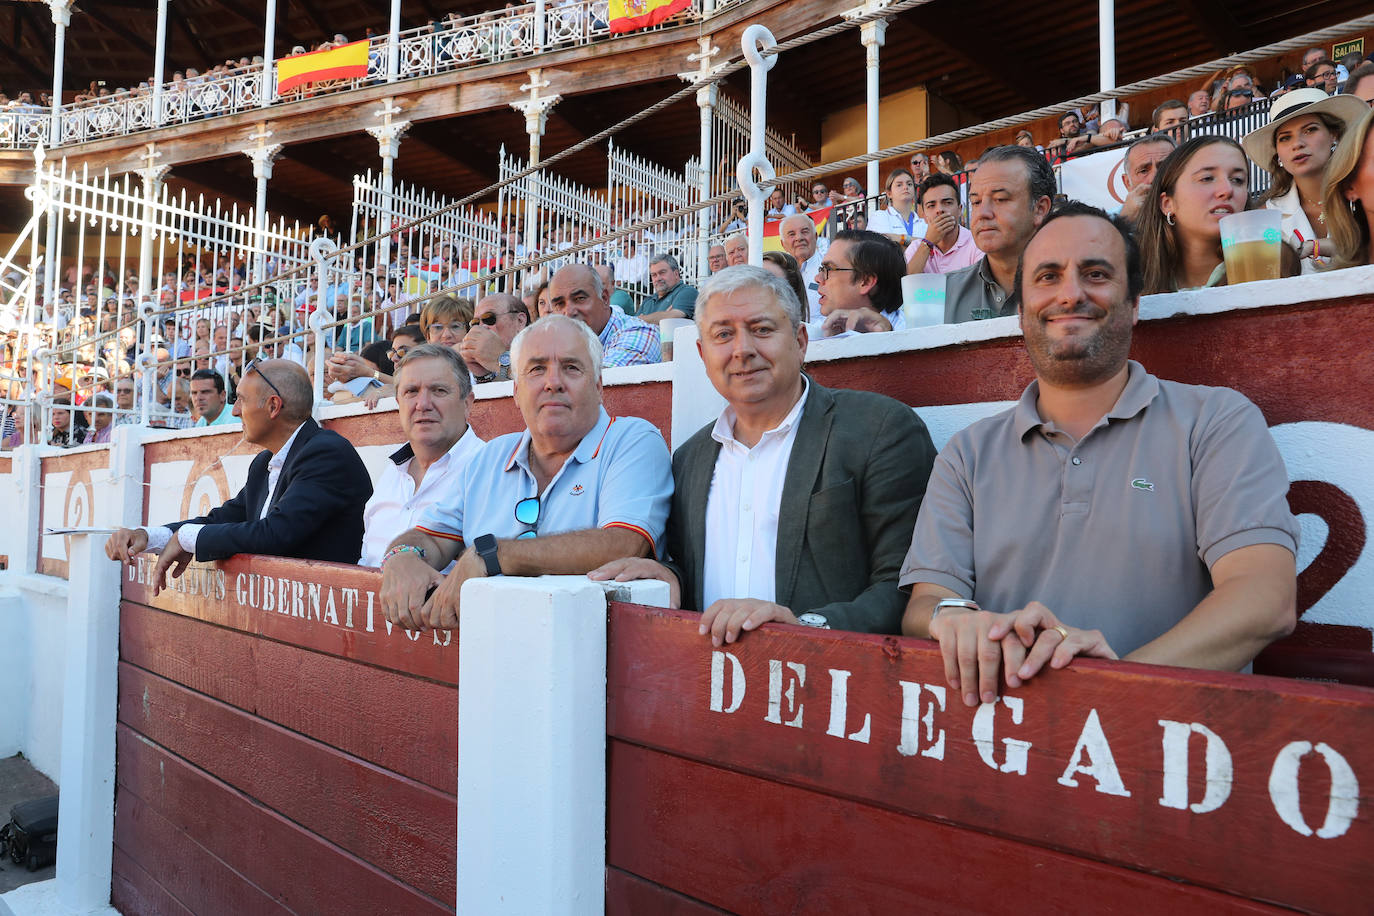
(1349, 197)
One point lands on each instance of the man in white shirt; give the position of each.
(797, 504)
(304, 495)
(434, 395)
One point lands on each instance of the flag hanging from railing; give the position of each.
(628, 15)
(345, 62)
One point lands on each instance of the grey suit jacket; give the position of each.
(853, 487)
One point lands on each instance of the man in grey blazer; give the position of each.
(797, 504)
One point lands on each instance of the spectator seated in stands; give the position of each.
(920, 167)
(899, 221)
(99, 423)
(1170, 117)
(672, 298)
(1361, 83)
(1238, 98)
(797, 503)
(947, 245)
(1014, 567)
(860, 281)
(851, 191)
(798, 237)
(304, 496)
(1180, 238)
(619, 298)
(210, 399)
(126, 399)
(1294, 147)
(1071, 134)
(715, 259)
(1321, 75)
(1349, 196)
(737, 250)
(577, 291)
(820, 198)
(1008, 198)
(1199, 103)
(575, 490)
(778, 207)
(434, 397)
(445, 320)
(486, 347)
(1138, 169)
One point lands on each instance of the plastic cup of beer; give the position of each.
(923, 299)
(1250, 243)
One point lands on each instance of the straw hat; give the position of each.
(1259, 144)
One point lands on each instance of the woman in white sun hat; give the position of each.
(1295, 146)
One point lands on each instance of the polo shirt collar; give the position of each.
(586, 450)
(1141, 388)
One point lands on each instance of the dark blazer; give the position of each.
(854, 483)
(317, 513)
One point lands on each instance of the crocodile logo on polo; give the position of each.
(1140, 483)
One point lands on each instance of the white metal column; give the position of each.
(262, 156)
(536, 112)
(393, 43)
(706, 102)
(1106, 54)
(159, 64)
(61, 18)
(269, 53)
(388, 135)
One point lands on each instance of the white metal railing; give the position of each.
(442, 46)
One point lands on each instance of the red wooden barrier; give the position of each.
(806, 772)
(280, 749)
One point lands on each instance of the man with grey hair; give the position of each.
(737, 250)
(304, 495)
(577, 291)
(433, 397)
(1138, 167)
(797, 504)
(672, 298)
(572, 491)
(715, 258)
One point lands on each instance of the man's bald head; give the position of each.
(292, 385)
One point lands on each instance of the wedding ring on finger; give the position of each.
(1063, 630)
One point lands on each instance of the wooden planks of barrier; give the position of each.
(800, 771)
(279, 748)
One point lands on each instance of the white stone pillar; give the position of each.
(25, 510)
(532, 742)
(262, 156)
(159, 64)
(388, 135)
(269, 55)
(61, 18)
(152, 175)
(536, 111)
(85, 844)
(393, 43)
(1106, 55)
(706, 102)
(872, 35)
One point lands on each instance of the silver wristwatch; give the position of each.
(954, 602)
(813, 620)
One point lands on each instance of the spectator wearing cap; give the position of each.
(1295, 147)
(947, 244)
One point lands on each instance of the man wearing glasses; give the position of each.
(304, 495)
(486, 347)
(1322, 75)
(576, 489)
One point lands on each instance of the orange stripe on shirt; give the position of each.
(439, 534)
(653, 549)
(599, 444)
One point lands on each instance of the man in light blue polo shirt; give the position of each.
(576, 489)
(209, 398)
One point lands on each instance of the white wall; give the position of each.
(33, 617)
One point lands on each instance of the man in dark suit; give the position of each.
(304, 496)
(797, 504)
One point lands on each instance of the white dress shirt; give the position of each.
(396, 502)
(742, 509)
(159, 535)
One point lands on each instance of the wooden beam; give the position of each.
(314, 15)
(478, 159)
(111, 25)
(179, 20)
(1215, 22)
(953, 38)
(19, 57)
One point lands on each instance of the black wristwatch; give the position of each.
(485, 545)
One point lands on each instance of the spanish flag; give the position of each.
(628, 15)
(772, 238)
(344, 62)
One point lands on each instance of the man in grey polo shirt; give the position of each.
(1008, 198)
(1109, 513)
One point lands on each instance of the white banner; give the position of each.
(1095, 179)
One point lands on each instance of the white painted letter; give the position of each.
(1017, 750)
(839, 708)
(718, 682)
(239, 594)
(1101, 766)
(1342, 804)
(776, 693)
(1218, 767)
(912, 720)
